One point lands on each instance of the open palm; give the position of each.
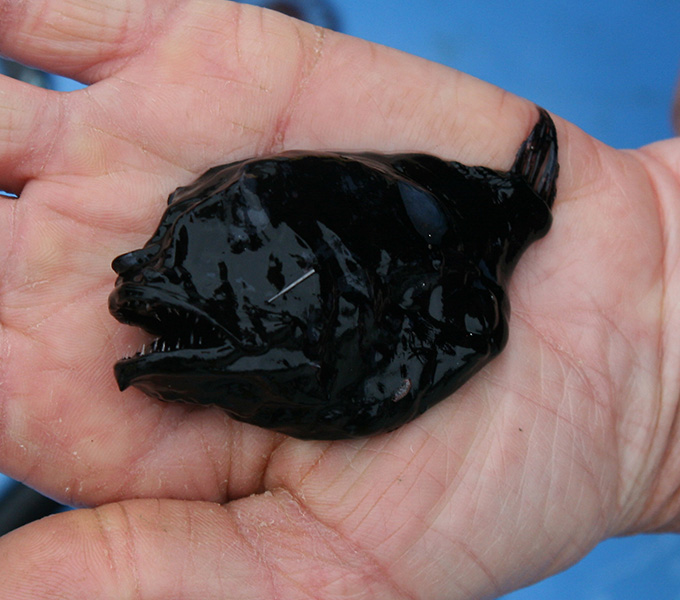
(562, 441)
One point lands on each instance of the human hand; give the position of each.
(565, 439)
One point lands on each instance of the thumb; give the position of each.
(264, 546)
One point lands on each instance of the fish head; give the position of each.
(210, 287)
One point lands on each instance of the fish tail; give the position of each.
(536, 160)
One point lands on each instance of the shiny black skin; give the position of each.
(399, 260)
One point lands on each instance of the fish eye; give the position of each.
(424, 212)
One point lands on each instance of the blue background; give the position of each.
(609, 67)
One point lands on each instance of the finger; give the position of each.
(261, 547)
(72, 38)
(304, 87)
(28, 122)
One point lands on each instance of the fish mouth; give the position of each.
(184, 335)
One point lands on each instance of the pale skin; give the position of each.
(568, 438)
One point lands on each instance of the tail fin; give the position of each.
(536, 160)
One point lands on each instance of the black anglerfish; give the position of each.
(332, 295)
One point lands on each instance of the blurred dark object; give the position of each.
(317, 12)
(27, 74)
(20, 505)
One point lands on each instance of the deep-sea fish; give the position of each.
(332, 295)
